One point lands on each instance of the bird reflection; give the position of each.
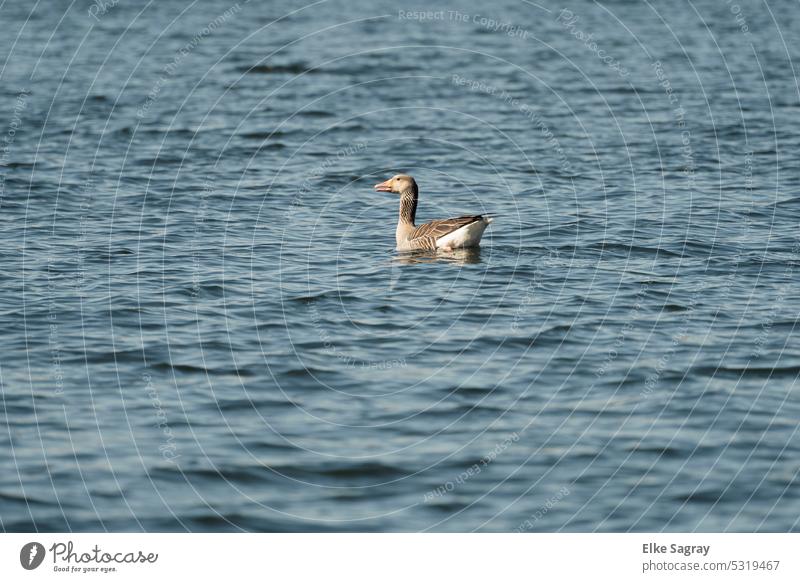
(464, 256)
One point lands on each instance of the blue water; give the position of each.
(206, 327)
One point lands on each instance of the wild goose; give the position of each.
(447, 234)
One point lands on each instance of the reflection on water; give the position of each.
(468, 256)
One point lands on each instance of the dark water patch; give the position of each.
(243, 474)
(447, 507)
(659, 451)
(277, 69)
(189, 369)
(206, 520)
(105, 355)
(476, 390)
(352, 473)
(163, 160)
(750, 371)
(18, 165)
(27, 500)
(241, 404)
(709, 495)
(121, 493)
(309, 372)
(356, 471)
(316, 114)
(318, 297)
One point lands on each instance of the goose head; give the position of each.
(398, 184)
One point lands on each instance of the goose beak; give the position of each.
(383, 186)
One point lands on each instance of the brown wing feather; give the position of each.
(436, 229)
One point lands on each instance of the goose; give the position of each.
(447, 234)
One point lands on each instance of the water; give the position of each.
(206, 326)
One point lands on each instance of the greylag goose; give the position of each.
(447, 234)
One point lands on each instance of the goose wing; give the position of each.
(436, 229)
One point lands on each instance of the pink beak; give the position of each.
(384, 186)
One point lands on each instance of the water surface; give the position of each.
(206, 326)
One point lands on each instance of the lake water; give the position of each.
(206, 327)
